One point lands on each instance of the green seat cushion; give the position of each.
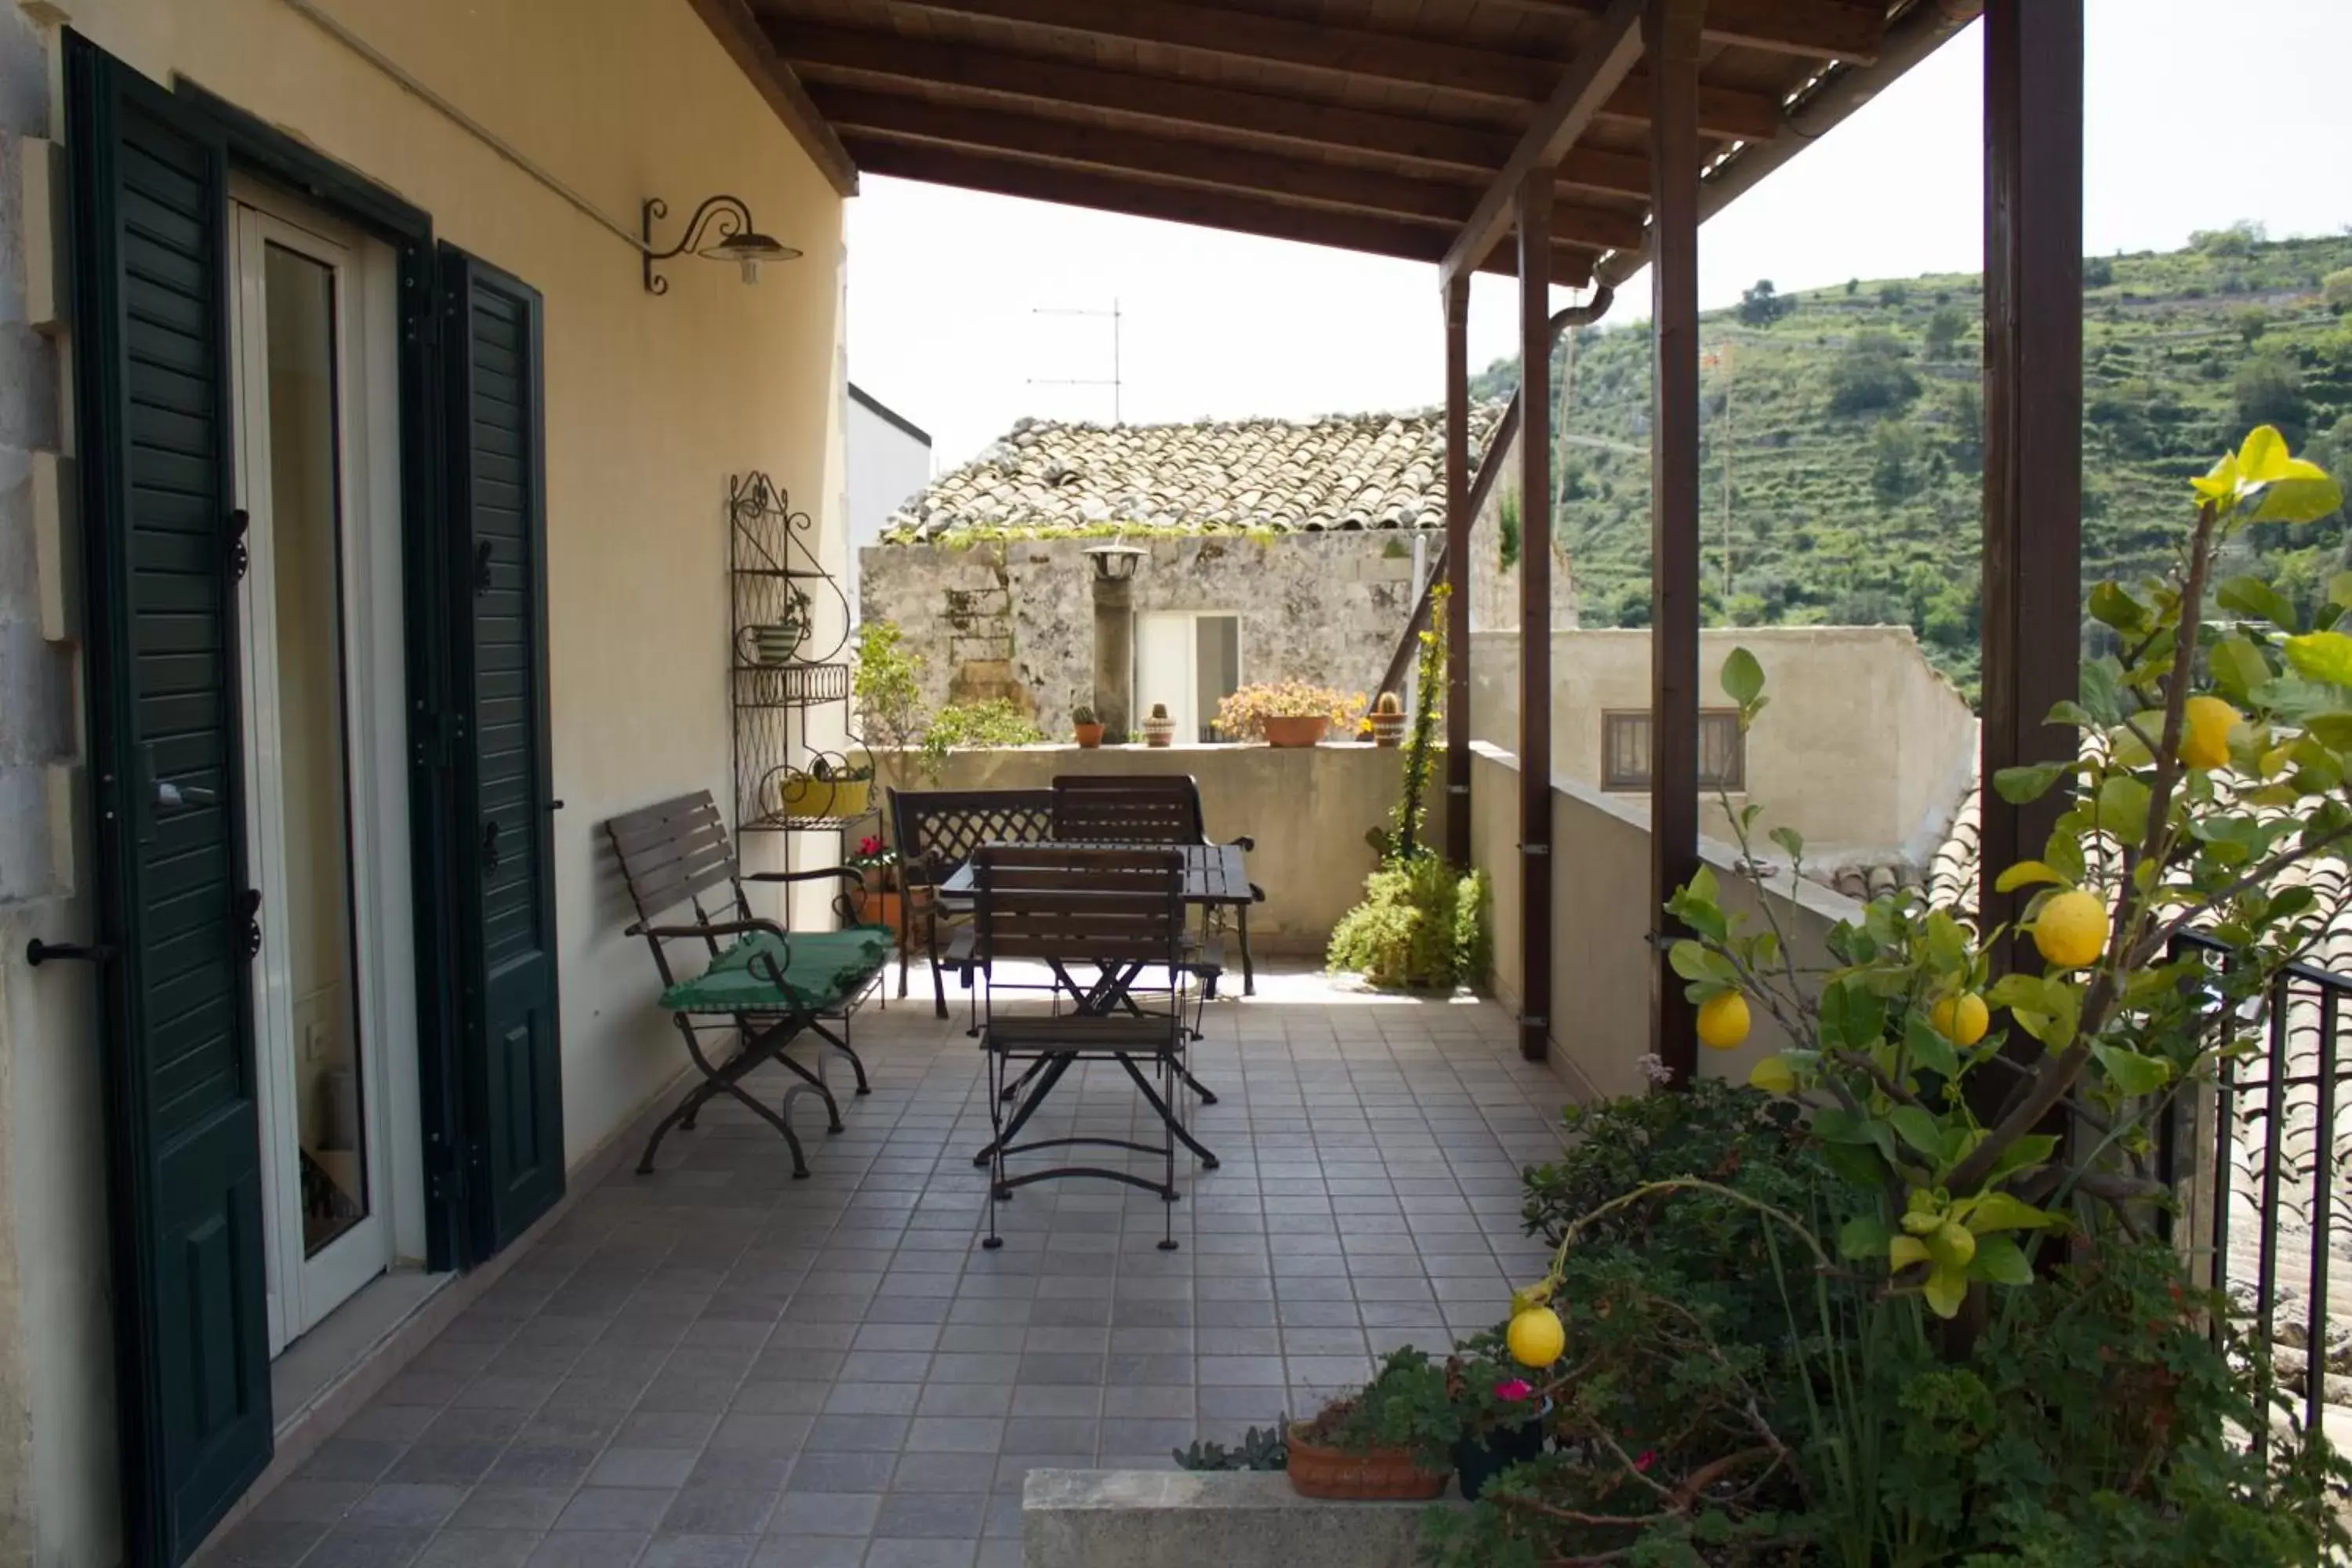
(822, 969)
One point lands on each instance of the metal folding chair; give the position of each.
(1120, 912)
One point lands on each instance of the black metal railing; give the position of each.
(2267, 1183)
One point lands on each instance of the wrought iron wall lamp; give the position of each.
(719, 230)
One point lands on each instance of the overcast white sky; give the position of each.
(2186, 131)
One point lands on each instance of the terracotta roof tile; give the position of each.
(1339, 472)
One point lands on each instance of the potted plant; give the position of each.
(827, 788)
(1287, 713)
(1394, 1441)
(1387, 721)
(1501, 1413)
(1086, 727)
(1158, 730)
(876, 897)
(777, 641)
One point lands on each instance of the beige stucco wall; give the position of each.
(1865, 749)
(1600, 960)
(1308, 811)
(651, 402)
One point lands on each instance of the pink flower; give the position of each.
(869, 845)
(1647, 1458)
(1514, 1389)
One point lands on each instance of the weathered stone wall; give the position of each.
(1325, 607)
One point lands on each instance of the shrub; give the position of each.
(1242, 716)
(1871, 375)
(1403, 933)
(995, 722)
(2335, 289)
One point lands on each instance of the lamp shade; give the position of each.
(1114, 563)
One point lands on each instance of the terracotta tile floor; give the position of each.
(716, 1365)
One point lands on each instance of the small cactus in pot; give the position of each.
(1086, 727)
(1159, 730)
(1388, 718)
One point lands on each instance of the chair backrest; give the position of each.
(1128, 808)
(672, 854)
(937, 830)
(1053, 902)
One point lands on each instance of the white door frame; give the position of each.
(303, 1290)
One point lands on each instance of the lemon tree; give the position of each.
(2215, 744)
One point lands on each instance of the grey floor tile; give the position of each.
(626, 1467)
(720, 1510)
(264, 1544)
(810, 1552)
(826, 1513)
(841, 1472)
(369, 1546)
(401, 1503)
(589, 1548)
(921, 1554)
(616, 1507)
(511, 1508)
(478, 1549)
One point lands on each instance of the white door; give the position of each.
(316, 397)
(1189, 660)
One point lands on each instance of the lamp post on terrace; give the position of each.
(1113, 582)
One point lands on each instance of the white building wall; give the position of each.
(888, 464)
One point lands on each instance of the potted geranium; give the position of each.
(878, 894)
(1087, 728)
(1394, 1441)
(1501, 1413)
(1287, 713)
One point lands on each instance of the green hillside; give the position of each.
(1853, 427)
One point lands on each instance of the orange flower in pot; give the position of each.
(1287, 712)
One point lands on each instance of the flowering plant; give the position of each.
(871, 855)
(1242, 715)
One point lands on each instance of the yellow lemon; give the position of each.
(1773, 1075)
(1962, 1019)
(2205, 726)
(1723, 1021)
(2070, 932)
(1536, 1337)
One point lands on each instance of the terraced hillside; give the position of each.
(1851, 422)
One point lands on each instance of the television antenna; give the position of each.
(1112, 316)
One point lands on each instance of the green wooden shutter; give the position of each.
(503, 776)
(163, 550)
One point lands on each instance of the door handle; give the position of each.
(490, 846)
(182, 797)
(38, 952)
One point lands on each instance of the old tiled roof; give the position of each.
(1343, 471)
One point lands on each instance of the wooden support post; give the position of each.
(2032, 413)
(1670, 37)
(1534, 205)
(1458, 521)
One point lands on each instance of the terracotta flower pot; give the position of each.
(1089, 736)
(1297, 732)
(1383, 1475)
(1388, 728)
(878, 908)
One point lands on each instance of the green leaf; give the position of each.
(1947, 1287)
(1930, 1052)
(1863, 1236)
(2133, 1074)
(2113, 605)
(2005, 1211)
(2123, 808)
(2033, 1149)
(1691, 961)
(2238, 667)
(1919, 1129)
(2000, 1261)
(2332, 729)
(2025, 873)
(2103, 689)
(1791, 841)
(2019, 786)
(2251, 596)
(1743, 678)
(1834, 1124)
(2263, 455)
(2303, 499)
(2339, 590)
(2321, 656)
(1852, 1018)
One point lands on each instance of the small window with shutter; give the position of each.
(1625, 749)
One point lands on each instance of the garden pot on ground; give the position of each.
(1297, 732)
(876, 908)
(1089, 736)
(1383, 1475)
(1480, 1460)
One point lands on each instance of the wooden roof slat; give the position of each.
(1849, 30)
(1600, 66)
(1443, 205)
(754, 53)
(1271, 218)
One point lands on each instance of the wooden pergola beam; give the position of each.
(746, 43)
(1849, 30)
(1058, 144)
(1273, 219)
(1596, 73)
(861, 82)
(1453, 69)
(1460, 520)
(1531, 208)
